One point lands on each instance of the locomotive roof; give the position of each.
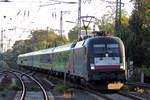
(63, 48)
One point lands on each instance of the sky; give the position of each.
(19, 17)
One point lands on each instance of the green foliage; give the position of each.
(147, 91)
(63, 88)
(36, 88)
(140, 91)
(1, 88)
(86, 27)
(140, 27)
(136, 77)
(39, 39)
(13, 87)
(70, 90)
(73, 34)
(105, 24)
(60, 88)
(125, 87)
(107, 21)
(4, 95)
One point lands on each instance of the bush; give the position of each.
(136, 77)
(70, 90)
(147, 91)
(125, 87)
(13, 87)
(63, 88)
(36, 88)
(3, 95)
(1, 88)
(60, 88)
(140, 91)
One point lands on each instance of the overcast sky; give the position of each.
(25, 15)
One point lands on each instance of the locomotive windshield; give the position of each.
(99, 49)
(112, 50)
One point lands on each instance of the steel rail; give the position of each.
(43, 90)
(22, 83)
(33, 79)
(138, 84)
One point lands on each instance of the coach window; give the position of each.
(45, 58)
(21, 62)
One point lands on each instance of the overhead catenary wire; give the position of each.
(30, 15)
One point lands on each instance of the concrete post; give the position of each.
(142, 77)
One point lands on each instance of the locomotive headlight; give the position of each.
(92, 67)
(122, 67)
(106, 54)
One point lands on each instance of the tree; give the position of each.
(73, 34)
(88, 28)
(107, 21)
(42, 39)
(104, 24)
(140, 27)
(39, 39)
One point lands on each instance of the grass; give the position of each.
(140, 91)
(36, 88)
(60, 88)
(63, 88)
(1, 88)
(125, 87)
(147, 91)
(13, 87)
(4, 95)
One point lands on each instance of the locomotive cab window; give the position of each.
(99, 49)
(113, 50)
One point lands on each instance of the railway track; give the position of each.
(23, 77)
(144, 85)
(135, 86)
(22, 96)
(104, 96)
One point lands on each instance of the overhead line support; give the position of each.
(118, 18)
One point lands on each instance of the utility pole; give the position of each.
(118, 18)
(32, 42)
(88, 20)
(61, 21)
(47, 39)
(9, 43)
(79, 19)
(2, 30)
(2, 40)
